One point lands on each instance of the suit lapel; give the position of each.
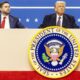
(65, 21)
(0, 18)
(11, 22)
(53, 20)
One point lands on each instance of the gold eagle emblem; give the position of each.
(48, 52)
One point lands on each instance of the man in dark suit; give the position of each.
(59, 18)
(8, 21)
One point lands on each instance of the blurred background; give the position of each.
(32, 12)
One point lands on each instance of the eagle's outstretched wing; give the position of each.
(47, 50)
(61, 50)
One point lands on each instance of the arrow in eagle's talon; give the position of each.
(63, 58)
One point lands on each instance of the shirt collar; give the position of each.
(59, 16)
(4, 16)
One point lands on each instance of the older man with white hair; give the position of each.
(59, 18)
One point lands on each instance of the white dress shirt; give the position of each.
(7, 23)
(61, 20)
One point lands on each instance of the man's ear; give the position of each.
(0, 9)
(55, 8)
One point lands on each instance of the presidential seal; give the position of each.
(54, 52)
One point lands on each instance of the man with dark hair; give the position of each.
(8, 21)
(59, 18)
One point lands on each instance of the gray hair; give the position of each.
(60, 2)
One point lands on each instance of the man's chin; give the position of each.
(7, 13)
(60, 13)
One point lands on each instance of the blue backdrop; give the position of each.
(32, 12)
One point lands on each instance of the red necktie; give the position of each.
(3, 22)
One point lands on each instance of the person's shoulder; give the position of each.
(50, 15)
(13, 17)
(69, 16)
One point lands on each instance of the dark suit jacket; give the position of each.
(50, 20)
(14, 22)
